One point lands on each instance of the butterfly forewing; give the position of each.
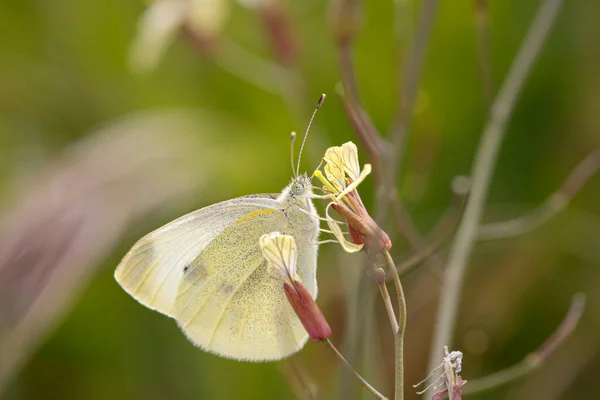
(152, 270)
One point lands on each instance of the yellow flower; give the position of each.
(341, 179)
(342, 170)
(281, 253)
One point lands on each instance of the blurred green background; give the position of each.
(66, 90)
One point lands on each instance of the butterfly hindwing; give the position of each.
(228, 303)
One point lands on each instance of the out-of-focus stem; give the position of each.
(362, 381)
(483, 167)
(439, 234)
(536, 359)
(555, 203)
(408, 86)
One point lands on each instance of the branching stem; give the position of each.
(399, 333)
(536, 359)
(483, 167)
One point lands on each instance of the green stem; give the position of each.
(399, 334)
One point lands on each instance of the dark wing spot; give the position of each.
(186, 268)
(226, 288)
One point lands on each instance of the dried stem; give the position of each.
(361, 122)
(555, 203)
(346, 23)
(482, 172)
(408, 228)
(439, 234)
(536, 359)
(370, 135)
(362, 381)
(399, 333)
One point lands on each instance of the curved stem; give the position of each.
(439, 234)
(536, 359)
(483, 167)
(399, 334)
(387, 300)
(362, 381)
(555, 203)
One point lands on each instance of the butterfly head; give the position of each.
(300, 188)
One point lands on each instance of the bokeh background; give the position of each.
(95, 153)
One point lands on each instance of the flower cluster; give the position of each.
(342, 176)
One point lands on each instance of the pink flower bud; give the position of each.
(307, 310)
(362, 228)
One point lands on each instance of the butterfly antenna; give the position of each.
(321, 100)
(293, 140)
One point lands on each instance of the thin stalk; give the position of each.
(483, 167)
(362, 381)
(555, 203)
(536, 359)
(399, 334)
(385, 295)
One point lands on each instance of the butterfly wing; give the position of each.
(229, 304)
(205, 270)
(152, 270)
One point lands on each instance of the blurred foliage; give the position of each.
(64, 72)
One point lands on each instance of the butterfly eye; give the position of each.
(297, 188)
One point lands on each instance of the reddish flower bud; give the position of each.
(307, 310)
(362, 228)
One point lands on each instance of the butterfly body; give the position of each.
(206, 270)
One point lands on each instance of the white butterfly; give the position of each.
(206, 270)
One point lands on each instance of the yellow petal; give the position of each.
(366, 171)
(350, 160)
(337, 232)
(281, 253)
(334, 167)
(326, 183)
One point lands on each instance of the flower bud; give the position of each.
(281, 253)
(307, 310)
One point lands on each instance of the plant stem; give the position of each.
(536, 359)
(399, 334)
(362, 381)
(555, 203)
(387, 300)
(408, 86)
(483, 167)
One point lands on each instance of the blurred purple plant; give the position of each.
(74, 213)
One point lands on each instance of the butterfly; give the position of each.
(206, 271)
